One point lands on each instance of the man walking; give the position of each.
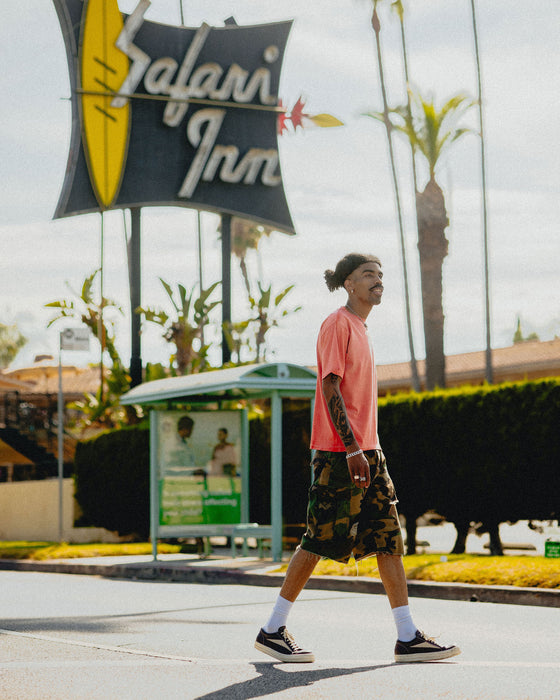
(352, 501)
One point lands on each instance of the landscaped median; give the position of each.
(482, 570)
(478, 569)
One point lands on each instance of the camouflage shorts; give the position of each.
(342, 519)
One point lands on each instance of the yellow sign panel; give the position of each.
(105, 129)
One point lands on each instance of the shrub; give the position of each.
(482, 454)
(112, 481)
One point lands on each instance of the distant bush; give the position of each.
(484, 454)
(112, 473)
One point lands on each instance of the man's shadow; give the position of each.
(273, 680)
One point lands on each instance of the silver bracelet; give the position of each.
(353, 454)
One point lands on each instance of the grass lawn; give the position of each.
(41, 551)
(479, 569)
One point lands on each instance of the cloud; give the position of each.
(337, 181)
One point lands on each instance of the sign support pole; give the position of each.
(226, 283)
(276, 473)
(135, 279)
(60, 411)
(69, 339)
(154, 484)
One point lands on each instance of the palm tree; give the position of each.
(246, 235)
(388, 126)
(489, 371)
(431, 132)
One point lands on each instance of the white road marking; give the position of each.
(326, 663)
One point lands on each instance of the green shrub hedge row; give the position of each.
(482, 454)
(112, 477)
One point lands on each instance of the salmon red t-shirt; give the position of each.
(344, 348)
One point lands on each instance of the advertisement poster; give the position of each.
(199, 467)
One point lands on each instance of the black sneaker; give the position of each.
(423, 648)
(282, 646)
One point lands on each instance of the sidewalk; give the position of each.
(190, 568)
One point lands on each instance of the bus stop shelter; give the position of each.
(273, 381)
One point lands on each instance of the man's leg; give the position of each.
(299, 570)
(412, 645)
(274, 639)
(392, 574)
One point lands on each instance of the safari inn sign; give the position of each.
(170, 115)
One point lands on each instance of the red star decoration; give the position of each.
(297, 114)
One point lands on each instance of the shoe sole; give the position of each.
(286, 658)
(427, 656)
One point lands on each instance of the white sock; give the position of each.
(279, 615)
(406, 629)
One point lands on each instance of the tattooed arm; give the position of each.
(357, 465)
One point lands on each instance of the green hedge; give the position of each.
(112, 473)
(484, 454)
(476, 454)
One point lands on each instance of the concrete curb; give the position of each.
(181, 572)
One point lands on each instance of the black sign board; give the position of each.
(172, 116)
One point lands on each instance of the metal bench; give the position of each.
(253, 530)
(231, 530)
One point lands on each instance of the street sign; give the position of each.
(74, 339)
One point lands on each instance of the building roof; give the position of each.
(531, 359)
(10, 456)
(42, 378)
(8, 384)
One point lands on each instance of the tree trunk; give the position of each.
(411, 542)
(462, 527)
(432, 247)
(495, 544)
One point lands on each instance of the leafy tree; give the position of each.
(11, 342)
(238, 340)
(268, 313)
(185, 329)
(431, 132)
(101, 408)
(265, 309)
(518, 336)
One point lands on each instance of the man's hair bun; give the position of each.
(345, 267)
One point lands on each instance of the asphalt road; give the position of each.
(69, 637)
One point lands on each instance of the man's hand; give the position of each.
(358, 466)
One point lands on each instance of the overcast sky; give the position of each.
(337, 181)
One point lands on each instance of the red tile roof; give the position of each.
(527, 360)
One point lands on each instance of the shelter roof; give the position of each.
(247, 381)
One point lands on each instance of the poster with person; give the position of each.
(199, 463)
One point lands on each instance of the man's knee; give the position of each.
(304, 555)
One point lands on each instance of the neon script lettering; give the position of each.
(209, 81)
